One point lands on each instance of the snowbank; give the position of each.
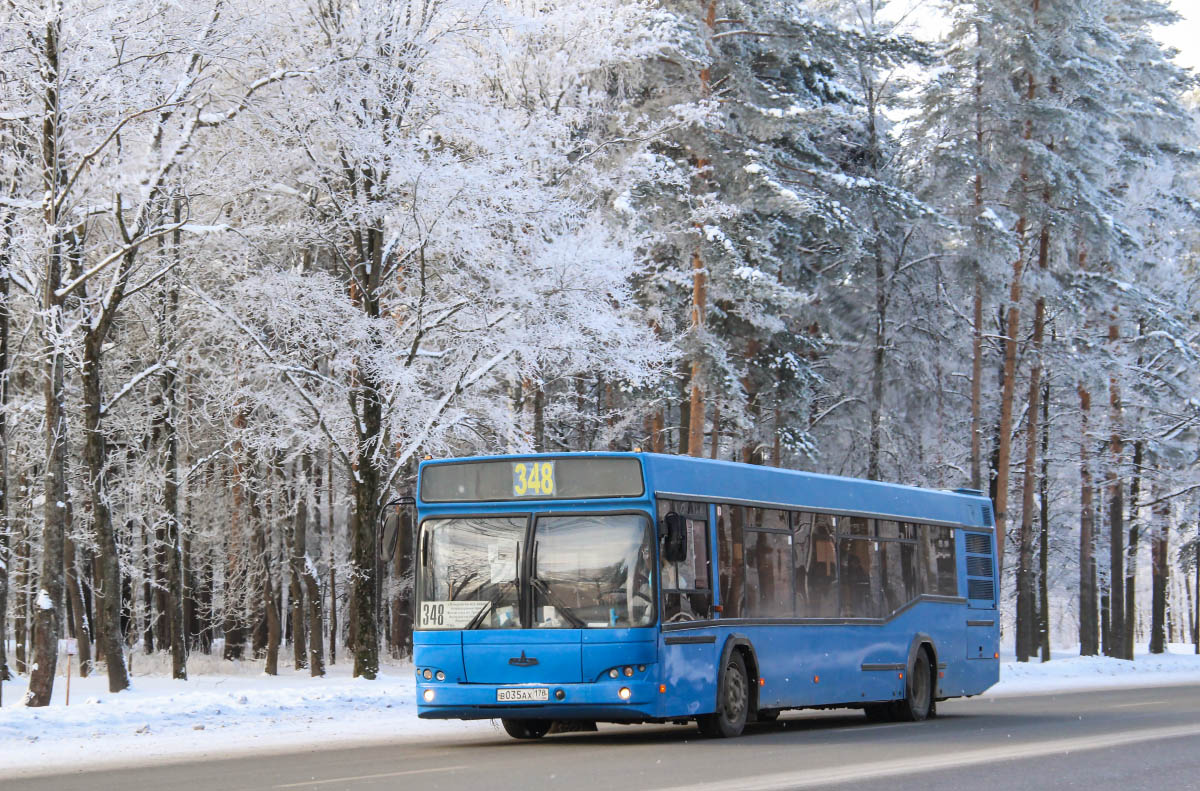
(223, 707)
(228, 707)
(1069, 672)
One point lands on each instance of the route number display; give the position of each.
(449, 614)
(533, 479)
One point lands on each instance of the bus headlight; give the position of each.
(624, 694)
(628, 671)
(428, 696)
(441, 676)
(427, 674)
(614, 673)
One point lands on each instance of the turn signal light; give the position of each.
(816, 679)
(662, 689)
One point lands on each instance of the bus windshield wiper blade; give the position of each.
(478, 619)
(566, 611)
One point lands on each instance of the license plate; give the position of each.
(522, 694)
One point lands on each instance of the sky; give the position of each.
(1185, 36)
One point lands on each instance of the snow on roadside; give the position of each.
(239, 709)
(231, 707)
(1069, 672)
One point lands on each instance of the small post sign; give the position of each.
(70, 648)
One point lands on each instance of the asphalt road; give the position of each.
(1122, 739)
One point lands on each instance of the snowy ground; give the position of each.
(228, 707)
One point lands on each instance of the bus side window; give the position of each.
(768, 545)
(860, 578)
(939, 567)
(816, 566)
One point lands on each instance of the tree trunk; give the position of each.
(262, 565)
(1044, 533)
(108, 587)
(1089, 638)
(1160, 570)
(696, 401)
(696, 410)
(977, 387)
(333, 618)
(1026, 602)
(46, 618)
(235, 576)
(1135, 490)
(6, 556)
(977, 302)
(21, 583)
(1116, 515)
(147, 593)
(174, 593)
(299, 555)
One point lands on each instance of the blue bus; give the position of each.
(569, 589)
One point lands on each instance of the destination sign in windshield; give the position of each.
(532, 479)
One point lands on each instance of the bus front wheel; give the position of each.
(730, 718)
(526, 729)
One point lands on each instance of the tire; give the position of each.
(526, 729)
(733, 699)
(918, 703)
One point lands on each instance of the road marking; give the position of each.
(932, 763)
(307, 783)
(1131, 705)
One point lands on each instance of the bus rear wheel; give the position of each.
(526, 729)
(730, 718)
(917, 703)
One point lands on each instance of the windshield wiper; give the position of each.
(563, 609)
(478, 619)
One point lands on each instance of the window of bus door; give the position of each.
(687, 585)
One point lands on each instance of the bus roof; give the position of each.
(715, 480)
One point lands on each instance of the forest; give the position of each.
(257, 259)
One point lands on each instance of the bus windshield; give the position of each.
(589, 571)
(593, 571)
(470, 567)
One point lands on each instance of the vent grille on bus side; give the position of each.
(981, 589)
(986, 510)
(979, 545)
(981, 584)
(979, 567)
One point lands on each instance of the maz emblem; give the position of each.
(523, 661)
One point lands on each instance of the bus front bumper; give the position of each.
(588, 701)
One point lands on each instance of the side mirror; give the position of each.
(391, 523)
(674, 543)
